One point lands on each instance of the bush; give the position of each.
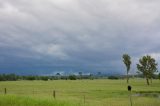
(30, 78)
(44, 78)
(8, 77)
(72, 77)
(113, 77)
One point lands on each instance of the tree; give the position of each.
(113, 77)
(127, 62)
(99, 73)
(30, 78)
(58, 75)
(72, 77)
(44, 78)
(147, 66)
(80, 74)
(159, 76)
(91, 76)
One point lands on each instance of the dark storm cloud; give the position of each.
(72, 35)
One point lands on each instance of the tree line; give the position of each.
(147, 66)
(14, 77)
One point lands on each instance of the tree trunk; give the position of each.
(127, 78)
(147, 81)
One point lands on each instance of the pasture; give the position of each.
(96, 92)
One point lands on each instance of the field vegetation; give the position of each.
(79, 93)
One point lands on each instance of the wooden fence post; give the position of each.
(54, 94)
(5, 91)
(84, 99)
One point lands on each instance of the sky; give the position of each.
(44, 37)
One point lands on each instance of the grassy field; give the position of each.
(78, 93)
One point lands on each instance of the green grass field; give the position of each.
(78, 93)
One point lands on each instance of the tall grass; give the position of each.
(12, 100)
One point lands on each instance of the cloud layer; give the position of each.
(47, 36)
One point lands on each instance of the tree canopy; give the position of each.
(127, 62)
(147, 66)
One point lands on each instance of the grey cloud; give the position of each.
(89, 35)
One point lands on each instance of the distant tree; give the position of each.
(91, 76)
(44, 78)
(58, 75)
(2, 78)
(147, 66)
(30, 78)
(80, 74)
(12, 77)
(72, 77)
(113, 77)
(99, 73)
(159, 76)
(9, 77)
(127, 62)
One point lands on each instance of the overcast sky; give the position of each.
(50, 36)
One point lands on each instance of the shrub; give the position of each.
(72, 77)
(113, 77)
(30, 78)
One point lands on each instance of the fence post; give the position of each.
(54, 94)
(131, 98)
(33, 91)
(5, 91)
(84, 99)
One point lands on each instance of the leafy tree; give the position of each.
(147, 66)
(127, 62)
